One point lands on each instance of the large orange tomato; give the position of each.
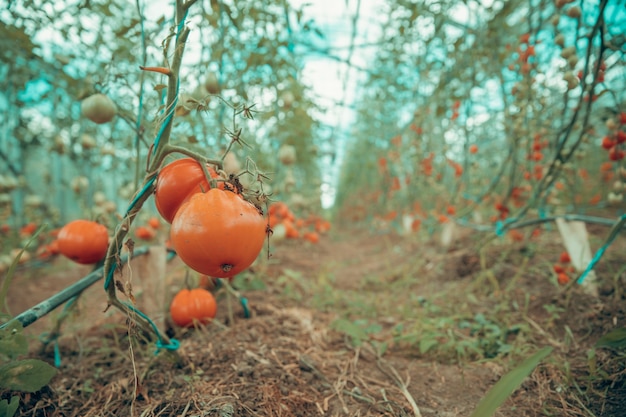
(83, 241)
(188, 306)
(218, 233)
(176, 182)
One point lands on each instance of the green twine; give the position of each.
(244, 305)
(161, 344)
(615, 230)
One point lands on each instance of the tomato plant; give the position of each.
(195, 305)
(218, 233)
(83, 241)
(176, 182)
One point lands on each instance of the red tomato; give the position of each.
(564, 258)
(616, 154)
(83, 241)
(218, 233)
(291, 231)
(154, 222)
(280, 210)
(177, 182)
(473, 148)
(48, 250)
(312, 237)
(562, 278)
(145, 233)
(322, 226)
(516, 235)
(608, 143)
(28, 229)
(189, 306)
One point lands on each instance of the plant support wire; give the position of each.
(36, 312)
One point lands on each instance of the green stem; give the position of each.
(161, 152)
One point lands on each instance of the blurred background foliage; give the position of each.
(475, 109)
(56, 54)
(484, 108)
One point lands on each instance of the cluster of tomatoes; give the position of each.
(214, 231)
(563, 268)
(615, 138)
(285, 224)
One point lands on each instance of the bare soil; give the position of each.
(288, 359)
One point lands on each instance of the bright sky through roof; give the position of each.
(334, 82)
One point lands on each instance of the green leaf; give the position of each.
(615, 339)
(28, 375)
(8, 409)
(507, 384)
(355, 332)
(427, 344)
(12, 340)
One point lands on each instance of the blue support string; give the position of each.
(140, 194)
(596, 258)
(499, 228)
(54, 336)
(57, 354)
(174, 343)
(244, 305)
(146, 187)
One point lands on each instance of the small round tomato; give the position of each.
(176, 182)
(562, 278)
(189, 306)
(83, 241)
(218, 233)
(312, 237)
(145, 233)
(154, 223)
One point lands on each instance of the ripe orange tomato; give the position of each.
(312, 237)
(608, 143)
(28, 229)
(218, 233)
(83, 241)
(145, 233)
(473, 148)
(322, 226)
(189, 306)
(291, 231)
(562, 278)
(176, 182)
(154, 222)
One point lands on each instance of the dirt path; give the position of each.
(301, 353)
